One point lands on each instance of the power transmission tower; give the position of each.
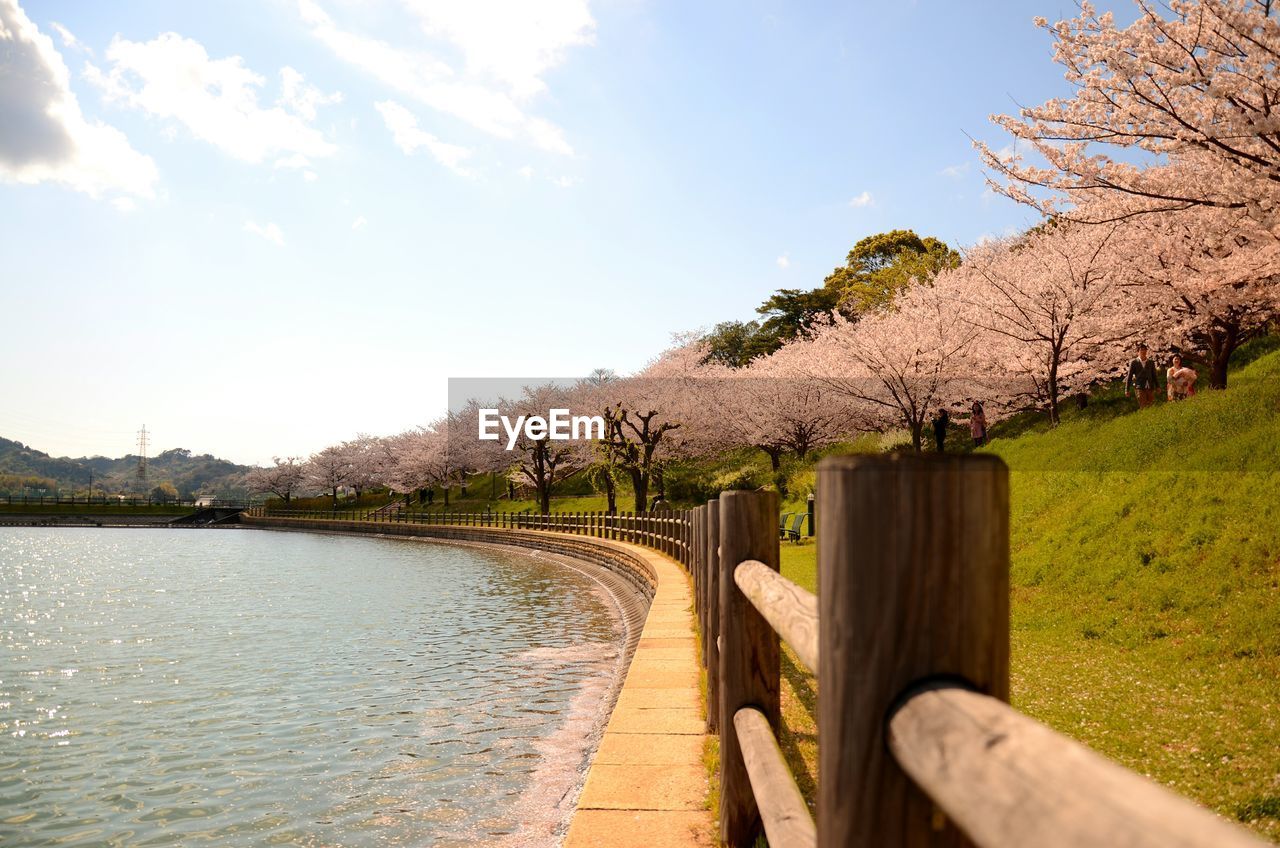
(142, 454)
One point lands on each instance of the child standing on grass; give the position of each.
(978, 424)
(1181, 380)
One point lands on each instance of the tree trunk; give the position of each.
(611, 493)
(1220, 341)
(640, 485)
(917, 430)
(775, 456)
(544, 499)
(446, 495)
(1053, 395)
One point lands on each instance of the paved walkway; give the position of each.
(647, 786)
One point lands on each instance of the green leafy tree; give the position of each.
(787, 314)
(164, 492)
(881, 266)
(792, 313)
(732, 343)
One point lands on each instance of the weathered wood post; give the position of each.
(711, 615)
(913, 571)
(749, 654)
(686, 538)
(695, 563)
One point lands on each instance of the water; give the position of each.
(252, 688)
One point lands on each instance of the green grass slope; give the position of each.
(1146, 575)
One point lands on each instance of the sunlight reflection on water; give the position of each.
(252, 687)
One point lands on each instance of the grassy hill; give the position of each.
(1146, 590)
(1146, 574)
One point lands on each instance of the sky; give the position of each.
(260, 227)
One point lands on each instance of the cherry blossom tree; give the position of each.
(599, 458)
(1207, 279)
(774, 405)
(644, 415)
(536, 459)
(409, 466)
(1191, 82)
(282, 478)
(1051, 310)
(450, 451)
(329, 470)
(365, 457)
(898, 367)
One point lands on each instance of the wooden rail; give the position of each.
(909, 639)
(908, 636)
(791, 610)
(669, 532)
(1006, 779)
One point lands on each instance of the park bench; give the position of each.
(792, 532)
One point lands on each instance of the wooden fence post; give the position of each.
(711, 614)
(749, 654)
(695, 573)
(913, 570)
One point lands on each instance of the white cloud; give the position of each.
(68, 38)
(269, 231)
(510, 42)
(46, 138)
(300, 98)
(409, 138)
(173, 78)
(359, 223)
(861, 200)
(784, 261)
(564, 182)
(955, 171)
(295, 162)
(311, 176)
(526, 172)
(506, 46)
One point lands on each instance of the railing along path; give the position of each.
(908, 637)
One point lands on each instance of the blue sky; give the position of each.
(262, 227)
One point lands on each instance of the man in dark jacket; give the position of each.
(1142, 378)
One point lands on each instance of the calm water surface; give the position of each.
(251, 688)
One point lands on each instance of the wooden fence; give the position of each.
(667, 531)
(908, 637)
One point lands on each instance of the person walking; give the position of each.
(978, 424)
(940, 422)
(1142, 378)
(1180, 380)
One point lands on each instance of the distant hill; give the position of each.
(24, 468)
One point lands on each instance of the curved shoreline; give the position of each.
(646, 784)
(551, 800)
